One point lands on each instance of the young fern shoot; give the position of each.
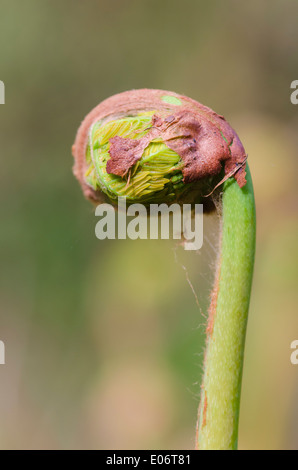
(155, 146)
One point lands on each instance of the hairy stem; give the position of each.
(220, 396)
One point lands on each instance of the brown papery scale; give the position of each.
(203, 139)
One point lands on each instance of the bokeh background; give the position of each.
(104, 340)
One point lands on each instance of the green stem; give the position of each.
(220, 396)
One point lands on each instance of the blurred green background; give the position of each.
(104, 340)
